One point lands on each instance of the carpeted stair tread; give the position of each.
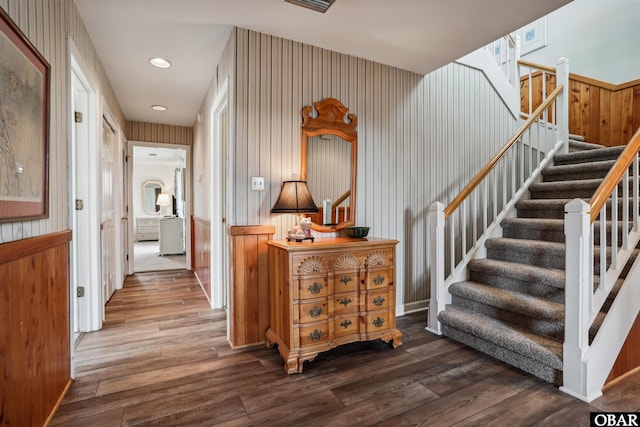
(569, 189)
(595, 169)
(523, 272)
(516, 302)
(542, 349)
(532, 252)
(547, 229)
(590, 155)
(582, 145)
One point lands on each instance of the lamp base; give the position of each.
(290, 239)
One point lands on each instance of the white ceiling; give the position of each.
(415, 35)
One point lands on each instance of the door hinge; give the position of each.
(127, 257)
(80, 291)
(79, 204)
(78, 117)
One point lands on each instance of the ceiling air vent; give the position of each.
(317, 5)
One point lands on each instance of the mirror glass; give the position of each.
(150, 191)
(329, 154)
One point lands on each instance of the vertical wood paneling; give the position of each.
(159, 133)
(629, 357)
(414, 133)
(34, 327)
(201, 252)
(248, 284)
(601, 112)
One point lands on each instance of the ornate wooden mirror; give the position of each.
(150, 191)
(328, 164)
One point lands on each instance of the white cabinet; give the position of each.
(146, 229)
(171, 236)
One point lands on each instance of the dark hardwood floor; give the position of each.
(163, 359)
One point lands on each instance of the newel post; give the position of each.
(578, 287)
(562, 104)
(437, 298)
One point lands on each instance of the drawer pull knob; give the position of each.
(345, 280)
(378, 322)
(315, 288)
(345, 323)
(315, 311)
(378, 280)
(345, 301)
(378, 301)
(315, 335)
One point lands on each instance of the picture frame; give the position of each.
(24, 126)
(533, 36)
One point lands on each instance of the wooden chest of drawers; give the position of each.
(330, 292)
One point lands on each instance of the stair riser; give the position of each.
(585, 158)
(539, 290)
(547, 235)
(573, 176)
(533, 367)
(548, 328)
(554, 212)
(547, 259)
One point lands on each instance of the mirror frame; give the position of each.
(331, 120)
(144, 184)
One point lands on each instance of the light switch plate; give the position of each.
(257, 183)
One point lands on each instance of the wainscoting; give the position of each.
(34, 327)
(601, 112)
(249, 284)
(201, 252)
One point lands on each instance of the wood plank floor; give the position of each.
(162, 359)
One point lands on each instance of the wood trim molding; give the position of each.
(12, 251)
(249, 230)
(201, 219)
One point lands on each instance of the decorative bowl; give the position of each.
(356, 231)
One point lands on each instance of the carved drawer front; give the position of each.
(377, 300)
(312, 311)
(346, 325)
(315, 334)
(376, 321)
(345, 281)
(377, 279)
(346, 302)
(313, 287)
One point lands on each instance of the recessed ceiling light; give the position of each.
(159, 107)
(160, 62)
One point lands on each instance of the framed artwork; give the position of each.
(533, 36)
(24, 126)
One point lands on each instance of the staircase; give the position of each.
(512, 305)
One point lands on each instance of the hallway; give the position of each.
(162, 358)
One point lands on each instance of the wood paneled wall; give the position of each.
(420, 138)
(629, 357)
(160, 133)
(34, 327)
(201, 252)
(48, 25)
(601, 112)
(249, 284)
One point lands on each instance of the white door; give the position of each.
(124, 213)
(107, 226)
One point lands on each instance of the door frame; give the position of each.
(85, 251)
(219, 204)
(188, 198)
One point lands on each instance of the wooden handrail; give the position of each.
(614, 176)
(341, 199)
(466, 191)
(538, 66)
